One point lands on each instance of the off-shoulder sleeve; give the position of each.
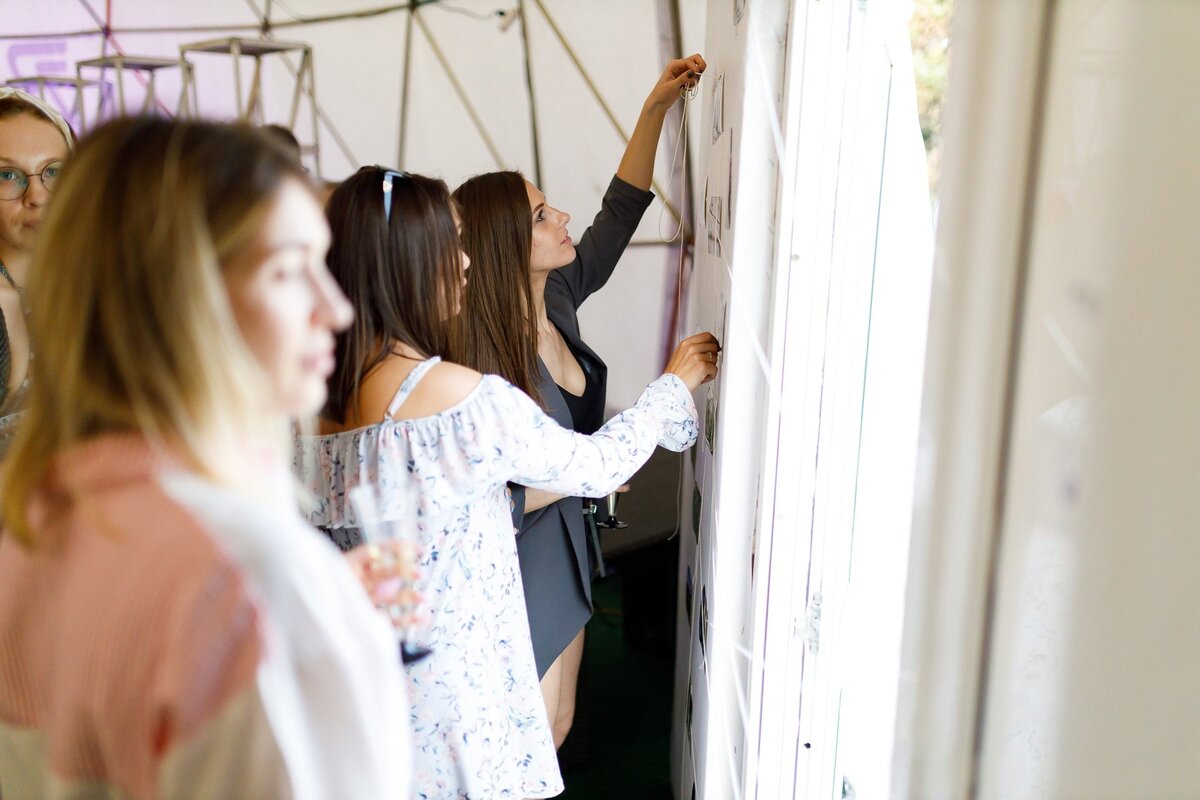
(541, 454)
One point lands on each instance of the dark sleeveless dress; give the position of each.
(583, 408)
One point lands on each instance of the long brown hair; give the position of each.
(496, 332)
(128, 309)
(402, 275)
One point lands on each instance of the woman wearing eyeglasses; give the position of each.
(35, 140)
(441, 442)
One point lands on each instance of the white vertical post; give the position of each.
(1052, 637)
(990, 133)
(1093, 686)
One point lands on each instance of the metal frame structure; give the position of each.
(250, 108)
(146, 69)
(256, 41)
(257, 47)
(415, 19)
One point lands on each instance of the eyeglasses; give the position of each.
(389, 175)
(14, 183)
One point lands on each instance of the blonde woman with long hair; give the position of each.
(169, 626)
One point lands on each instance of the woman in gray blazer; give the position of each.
(527, 281)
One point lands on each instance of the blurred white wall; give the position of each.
(1052, 639)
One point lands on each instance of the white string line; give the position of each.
(689, 94)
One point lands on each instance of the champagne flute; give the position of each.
(376, 529)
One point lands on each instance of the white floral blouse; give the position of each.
(478, 719)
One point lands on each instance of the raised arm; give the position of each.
(628, 196)
(637, 164)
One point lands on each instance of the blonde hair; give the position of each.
(128, 308)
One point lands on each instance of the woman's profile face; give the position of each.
(28, 146)
(552, 245)
(287, 305)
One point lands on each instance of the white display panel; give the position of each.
(813, 267)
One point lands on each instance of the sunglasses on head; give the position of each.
(389, 175)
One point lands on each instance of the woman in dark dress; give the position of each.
(519, 321)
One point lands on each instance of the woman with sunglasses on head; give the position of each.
(35, 140)
(440, 442)
(169, 625)
(520, 322)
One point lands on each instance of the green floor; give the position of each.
(620, 744)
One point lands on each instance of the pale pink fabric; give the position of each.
(130, 628)
(119, 639)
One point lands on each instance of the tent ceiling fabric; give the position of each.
(359, 65)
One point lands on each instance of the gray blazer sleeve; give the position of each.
(602, 244)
